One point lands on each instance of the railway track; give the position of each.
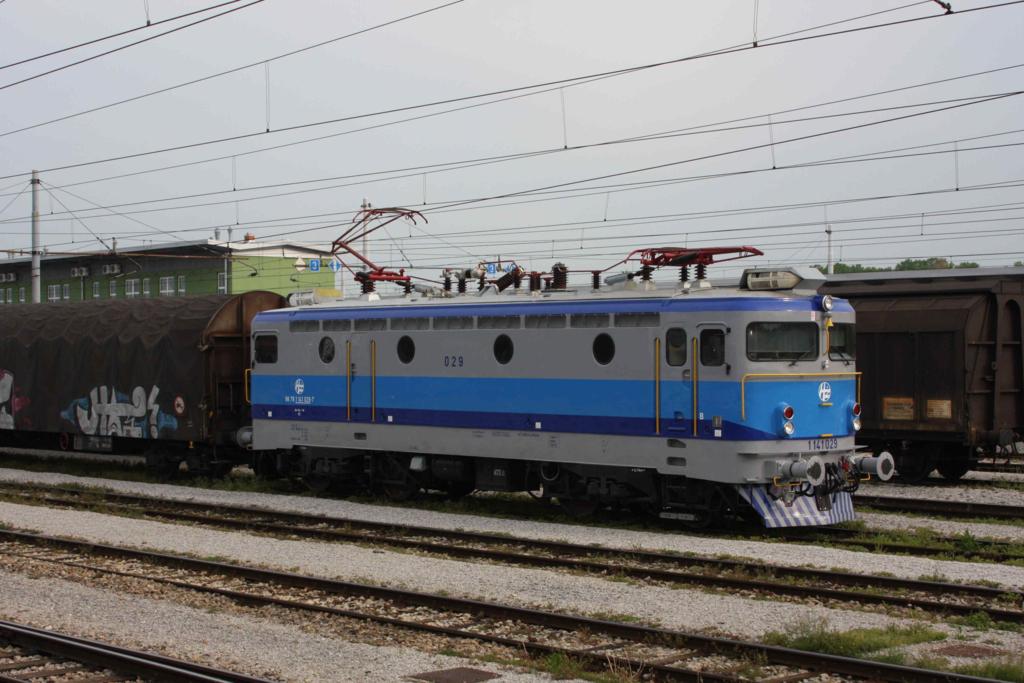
(599, 645)
(933, 597)
(1008, 466)
(31, 654)
(941, 508)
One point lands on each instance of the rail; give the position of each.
(773, 375)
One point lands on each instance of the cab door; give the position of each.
(711, 370)
(677, 409)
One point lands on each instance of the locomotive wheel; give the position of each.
(397, 482)
(578, 508)
(953, 470)
(710, 513)
(317, 483)
(459, 489)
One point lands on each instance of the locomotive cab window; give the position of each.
(782, 341)
(842, 342)
(712, 347)
(266, 348)
(675, 346)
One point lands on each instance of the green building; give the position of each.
(173, 269)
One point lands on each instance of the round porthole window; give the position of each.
(604, 349)
(503, 349)
(327, 349)
(406, 349)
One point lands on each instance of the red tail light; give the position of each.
(856, 410)
(788, 412)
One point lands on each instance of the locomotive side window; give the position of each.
(497, 322)
(410, 323)
(406, 349)
(326, 349)
(842, 342)
(712, 347)
(503, 349)
(303, 325)
(604, 349)
(266, 348)
(675, 346)
(589, 320)
(782, 341)
(538, 322)
(337, 325)
(367, 324)
(637, 320)
(457, 322)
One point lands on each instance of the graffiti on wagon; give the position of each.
(108, 412)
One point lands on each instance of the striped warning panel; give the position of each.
(803, 511)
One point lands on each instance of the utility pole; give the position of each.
(36, 275)
(828, 231)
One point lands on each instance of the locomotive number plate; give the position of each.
(822, 444)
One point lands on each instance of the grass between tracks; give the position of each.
(881, 644)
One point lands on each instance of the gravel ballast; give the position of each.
(782, 554)
(254, 646)
(684, 609)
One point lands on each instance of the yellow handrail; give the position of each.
(762, 375)
(246, 378)
(348, 381)
(695, 413)
(657, 385)
(373, 381)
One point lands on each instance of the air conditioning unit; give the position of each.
(11, 277)
(79, 272)
(112, 269)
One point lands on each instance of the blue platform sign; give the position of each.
(335, 265)
(314, 265)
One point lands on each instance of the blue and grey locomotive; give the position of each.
(693, 401)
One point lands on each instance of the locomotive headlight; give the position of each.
(827, 303)
(855, 417)
(788, 428)
(855, 423)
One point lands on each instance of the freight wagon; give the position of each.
(943, 364)
(162, 377)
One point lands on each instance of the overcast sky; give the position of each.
(479, 46)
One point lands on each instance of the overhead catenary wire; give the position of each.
(492, 93)
(233, 70)
(451, 205)
(120, 48)
(118, 34)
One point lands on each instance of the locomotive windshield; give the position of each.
(842, 344)
(782, 341)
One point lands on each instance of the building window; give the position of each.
(21, 295)
(131, 287)
(67, 292)
(113, 288)
(222, 283)
(53, 293)
(167, 286)
(181, 284)
(95, 289)
(10, 295)
(145, 286)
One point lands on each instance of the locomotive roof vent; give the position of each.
(774, 279)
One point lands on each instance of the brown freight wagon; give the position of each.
(942, 363)
(163, 377)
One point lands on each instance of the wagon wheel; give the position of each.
(161, 465)
(915, 466)
(954, 470)
(396, 481)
